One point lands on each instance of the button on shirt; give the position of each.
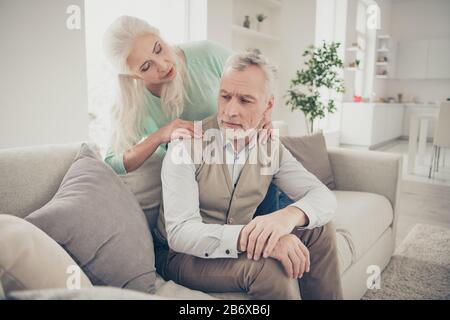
(186, 232)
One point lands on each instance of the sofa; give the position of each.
(366, 188)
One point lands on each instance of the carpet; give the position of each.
(419, 268)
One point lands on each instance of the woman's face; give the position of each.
(152, 60)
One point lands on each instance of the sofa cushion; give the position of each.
(95, 218)
(311, 152)
(345, 254)
(361, 218)
(95, 293)
(30, 259)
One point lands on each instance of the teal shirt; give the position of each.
(204, 64)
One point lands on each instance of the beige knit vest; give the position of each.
(220, 203)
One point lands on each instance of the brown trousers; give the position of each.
(262, 279)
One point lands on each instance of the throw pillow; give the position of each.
(99, 222)
(311, 152)
(31, 260)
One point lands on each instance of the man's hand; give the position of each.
(293, 255)
(263, 232)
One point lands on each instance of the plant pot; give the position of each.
(259, 26)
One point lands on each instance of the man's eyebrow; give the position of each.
(154, 48)
(247, 96)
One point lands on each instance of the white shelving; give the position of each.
(356, 54)
(271, 3)
(238, 30)
(354, 49)
(385, 51)
(261, 36)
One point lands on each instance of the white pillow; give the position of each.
(30, 259)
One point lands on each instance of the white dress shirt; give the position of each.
(186, 231)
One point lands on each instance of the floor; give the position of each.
(422, 200)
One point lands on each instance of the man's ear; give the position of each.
(269, 107)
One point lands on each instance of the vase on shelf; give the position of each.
(246, 23)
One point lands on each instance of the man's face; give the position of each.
(243, 103)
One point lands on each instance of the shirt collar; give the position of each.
(228, 145)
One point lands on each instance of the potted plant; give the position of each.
(260, 17)
(322, 66)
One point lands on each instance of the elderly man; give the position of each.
(207, 237)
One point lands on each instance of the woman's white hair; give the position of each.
(241, 61)
(129, 110)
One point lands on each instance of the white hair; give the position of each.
(241, 61)
(129, 110)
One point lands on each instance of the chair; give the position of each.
(441, 136)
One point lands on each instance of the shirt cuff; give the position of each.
(309, 212)
(228, 244)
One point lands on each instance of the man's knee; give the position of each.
(272, 282)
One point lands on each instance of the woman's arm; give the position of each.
(133, 158)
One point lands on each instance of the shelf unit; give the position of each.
(241, 31)
(254, 37)
(355, 52)
(385, 53)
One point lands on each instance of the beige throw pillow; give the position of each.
(311, 152)
(30, 259)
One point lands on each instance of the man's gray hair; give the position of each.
(240, 61)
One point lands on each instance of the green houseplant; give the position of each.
(321, 71)
(260, 17)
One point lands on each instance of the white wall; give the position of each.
(43, 87)
(297, 33)
(331, 26)
(211, 20)
(419, 20)
(219, 21)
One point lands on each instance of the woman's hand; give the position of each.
(179, 129)
(265, 133)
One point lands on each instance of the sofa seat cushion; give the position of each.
(361, 218)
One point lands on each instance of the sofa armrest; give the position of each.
(367, 171)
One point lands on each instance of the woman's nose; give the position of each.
(162, 65)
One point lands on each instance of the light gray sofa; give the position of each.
(367, 189)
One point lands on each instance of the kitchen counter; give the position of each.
(372, 124)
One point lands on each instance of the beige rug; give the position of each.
(419, 269)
